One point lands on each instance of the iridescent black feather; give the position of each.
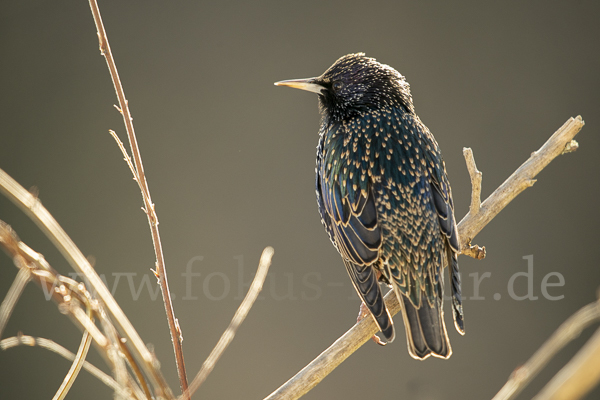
(384, 198)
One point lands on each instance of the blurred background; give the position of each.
(230, 164)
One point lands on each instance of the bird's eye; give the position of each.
(337, 85)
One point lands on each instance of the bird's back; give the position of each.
(390, 155)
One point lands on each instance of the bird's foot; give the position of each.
(364, 312)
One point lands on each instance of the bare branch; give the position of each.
(327, 361)
(238, 318)
(161, 273)
(569, 330)
(522, 178)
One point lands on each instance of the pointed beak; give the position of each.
(304, 84)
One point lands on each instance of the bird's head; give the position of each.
(356, 84)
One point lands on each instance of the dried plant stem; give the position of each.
(9, 302)
(71, 297)
(578, 377)
(48, 344)
(566, 332)
(33, 208)
(161, 273)
(470, 225)
(86, 341)
(238, 318)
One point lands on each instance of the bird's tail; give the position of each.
(426, 333)
(457, 308)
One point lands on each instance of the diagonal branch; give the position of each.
(161, 273)
(578, 377)
(327, 361)
(560, 142)
(569, 330)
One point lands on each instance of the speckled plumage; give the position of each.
(384, 198)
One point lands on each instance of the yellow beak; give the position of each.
(304, 84)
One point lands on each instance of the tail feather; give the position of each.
(457, 308)
(364, 279)
(426, 333)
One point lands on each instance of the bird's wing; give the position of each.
(346, 202)
(350, 221)
(442, 199)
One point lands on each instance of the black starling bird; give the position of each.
(385, 200)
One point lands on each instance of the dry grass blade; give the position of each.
(33, 208)
(86, 341)
(9, 302)
(238, 318)
(72, 297)
(48, 344)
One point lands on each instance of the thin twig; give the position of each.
(48, 344)
(176, 337)
(9, 302)
(476, 177)
(469, 249)
(129, 163)
(327, 361)
(238, 318)
(578, 377)
(566, 332)
(86, 341)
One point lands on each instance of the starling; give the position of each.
(385, 199)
